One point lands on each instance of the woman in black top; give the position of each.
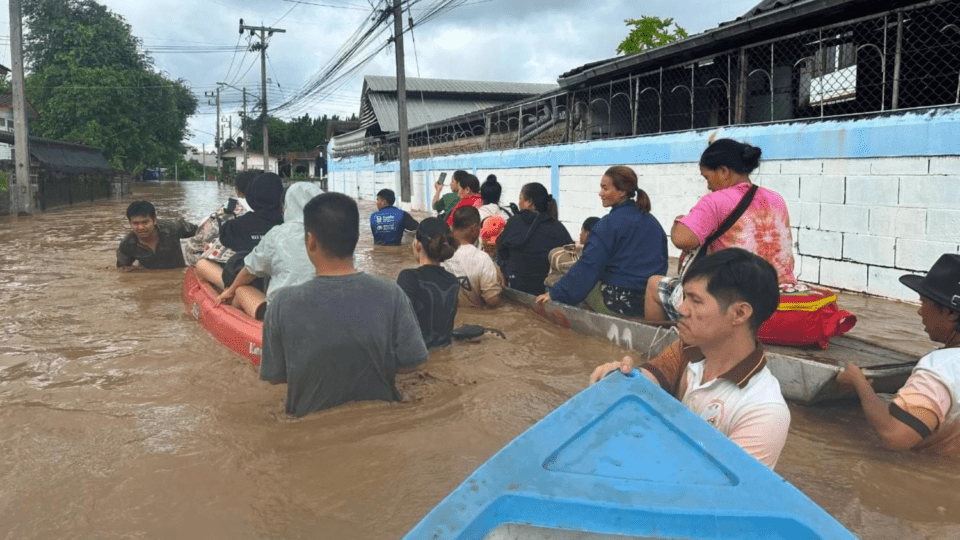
(526, 241)
(432, 290)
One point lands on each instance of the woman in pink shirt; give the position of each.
(764, 228)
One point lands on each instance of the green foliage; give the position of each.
(90, 84)
(299, 135)
(3, 181)
(649, 33)
(188, 170)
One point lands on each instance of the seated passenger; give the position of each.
(444, 205)
(491, 210)
(265, 196)
(388, 222)
(925, 413)
(280, 255)
(626, 247)
(527, 239)
(432, 290)
(479, 279)
(469, 195)
(343, 335)
(154, 244)
(564, 257)
(717, 368)
(764, 228)
(206, 243)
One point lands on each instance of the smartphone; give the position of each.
(443, 176)
(231, 206)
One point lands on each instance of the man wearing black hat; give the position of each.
(925, 414)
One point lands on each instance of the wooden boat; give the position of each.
(238, 331)
(619, 461)
(805, 375)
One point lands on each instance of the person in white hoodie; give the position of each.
(280, 255)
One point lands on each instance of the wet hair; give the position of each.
(243, 179)
(470, 182)
(543, 202)
(490, 190)
(141, 208)
(625, 179)
(736, 156)
(388, 196)
(465, 217)
(460, 177)
(334, 220)
(589, 223)
(735, 274)
(437, 241)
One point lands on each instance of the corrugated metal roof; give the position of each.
(764, 6)
(63, 156)
(423, 111)
(376, 83)
(6, 102)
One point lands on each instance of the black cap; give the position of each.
(942, 282)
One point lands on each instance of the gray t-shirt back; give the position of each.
(336, 339)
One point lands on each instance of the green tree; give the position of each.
(301, 134)
(90, 83)
(648, 33)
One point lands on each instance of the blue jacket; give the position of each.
(388, 223)
(624, 249)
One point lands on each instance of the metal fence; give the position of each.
(902, 59)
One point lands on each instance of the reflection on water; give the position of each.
(120, 417)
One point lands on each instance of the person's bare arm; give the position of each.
(893, 434)
(683, 237)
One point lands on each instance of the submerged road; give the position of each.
(121, 418)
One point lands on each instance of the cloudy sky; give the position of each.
(488, 40)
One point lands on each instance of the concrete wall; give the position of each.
(869, 199)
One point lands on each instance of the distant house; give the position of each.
(6, 120)
(233, 160)
(196, 155)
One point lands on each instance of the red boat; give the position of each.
(239, 332)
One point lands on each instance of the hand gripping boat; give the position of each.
(239, 332)
(623, 460)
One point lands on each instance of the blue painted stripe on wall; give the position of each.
(932, 133)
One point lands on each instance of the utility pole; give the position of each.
(401, 102)
(204, 160)
(216, 139)
(264, 33)
(21, 198)
(243, 125)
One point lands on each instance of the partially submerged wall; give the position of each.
(869, 199)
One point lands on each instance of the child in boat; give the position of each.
(154, 244)
(717, 368)
(527, 239)
(432, 289)
(280, 255)
(265, 196)
(469, 195)
(388, 222)
(626, 247)
(343, 335)
(925, 413)
(480, 281)
(764, 227)
(206, 243)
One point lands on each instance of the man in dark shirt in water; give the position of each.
(155, 244)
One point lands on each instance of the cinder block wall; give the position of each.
(863, 212)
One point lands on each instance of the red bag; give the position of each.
(806, 317)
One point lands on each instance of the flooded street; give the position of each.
(120, 417)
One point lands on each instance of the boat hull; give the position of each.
(624, 460)
(233, 328)
(805, 375)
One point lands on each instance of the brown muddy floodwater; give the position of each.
(121, 418)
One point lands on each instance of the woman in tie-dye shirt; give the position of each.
(764, 228)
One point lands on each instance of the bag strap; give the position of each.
(734, 216)
(533, 226)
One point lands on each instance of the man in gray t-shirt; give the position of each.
(344, 335)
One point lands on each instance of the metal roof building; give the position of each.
(434, 100)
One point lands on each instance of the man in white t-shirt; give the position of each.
(480, 279)
(925, 413)
(717, 368)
